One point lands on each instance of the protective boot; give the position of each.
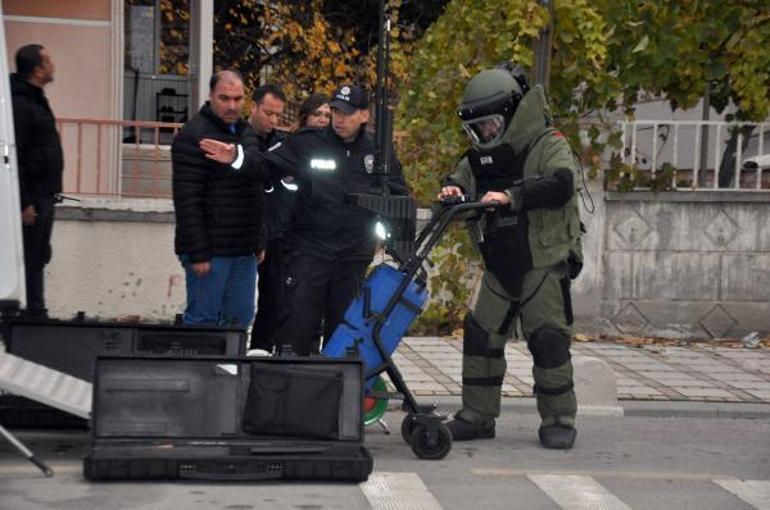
(556, 401)
(557, 437)
(464, 430)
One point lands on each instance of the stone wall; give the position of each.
(685, 264)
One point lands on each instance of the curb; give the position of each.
(734, 410)
(447, 405)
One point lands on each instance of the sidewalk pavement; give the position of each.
(658, 372)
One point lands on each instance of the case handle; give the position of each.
(271, 474)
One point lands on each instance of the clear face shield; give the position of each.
(486, 131)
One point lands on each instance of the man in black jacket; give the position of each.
(267, 106)
(218, 213)
(331, 241)
(40, 165)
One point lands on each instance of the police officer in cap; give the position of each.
(531, 250)
(331, 240)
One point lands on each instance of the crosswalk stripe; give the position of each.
(398, 491)
(754, 492)
(574, 492)
(599, 473)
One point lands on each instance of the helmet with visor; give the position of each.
(488, 105)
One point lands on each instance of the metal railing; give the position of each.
(701, 154)
(117, 157)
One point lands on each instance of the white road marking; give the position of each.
(398, 491)
(754, 492)
(599, 473)
(573, 492)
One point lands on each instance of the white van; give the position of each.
(12, 283)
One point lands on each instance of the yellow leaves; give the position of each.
(311, 54)
(341, 70)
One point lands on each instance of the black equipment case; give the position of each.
(235, 419)
(72, 346)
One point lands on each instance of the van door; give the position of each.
(12, 283)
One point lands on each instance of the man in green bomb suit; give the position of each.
(531, 248)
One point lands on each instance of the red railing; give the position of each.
(117, 157)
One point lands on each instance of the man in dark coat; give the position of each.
(39, 151)
(218, 213)
(268, 102)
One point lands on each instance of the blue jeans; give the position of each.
(225, 296)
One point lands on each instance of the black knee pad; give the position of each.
(475, 339)
(549, 347)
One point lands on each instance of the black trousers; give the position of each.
(270, 303)
(37, 252)
(316, 289)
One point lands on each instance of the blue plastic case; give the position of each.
(361, 315)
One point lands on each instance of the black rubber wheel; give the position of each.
(407, 428)
(431, 450)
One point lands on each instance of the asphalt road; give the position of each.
(637, 462)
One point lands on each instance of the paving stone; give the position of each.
(664, 376)
(410, 372)
(644, 396)
(755, 386)
(420, 385)
(717, 369)
(634, 387)
(739, 377)
(660, 367)
(630, 355)
(763, 394)
(635, 365)
(420, 378)
(702, 392)
(725, 369)
(686, 383)
(449, 363)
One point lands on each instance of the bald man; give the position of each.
(218, 214)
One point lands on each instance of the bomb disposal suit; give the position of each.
(531, 250)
